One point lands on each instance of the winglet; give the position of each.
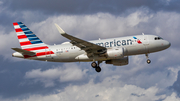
(60, 29)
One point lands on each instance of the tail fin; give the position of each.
(27, 39)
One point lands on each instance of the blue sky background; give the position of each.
(27, 80)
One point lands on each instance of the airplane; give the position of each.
(114, 51)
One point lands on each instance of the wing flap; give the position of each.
(24, 52)
(84, 45)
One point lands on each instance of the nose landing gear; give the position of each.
(96, 66)
(148, 60)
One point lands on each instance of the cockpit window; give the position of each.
(158, 38)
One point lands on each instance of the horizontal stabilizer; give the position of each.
(24, 52)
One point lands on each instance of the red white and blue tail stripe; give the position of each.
(29, 41)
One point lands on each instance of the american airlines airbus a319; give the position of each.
(113, 51)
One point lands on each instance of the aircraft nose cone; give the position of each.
(167, 44)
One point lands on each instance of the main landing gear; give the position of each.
(96, 66)
(148, 60)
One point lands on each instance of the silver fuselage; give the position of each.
(66, 52)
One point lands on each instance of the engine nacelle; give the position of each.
(118, 62)
(115, 53)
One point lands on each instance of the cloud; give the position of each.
(176, 86)
(65, 74)
(99, 25)
(110, 89)
(103, 25)
(7, 42)
(1, 2)
(173, 97)
(90, 7)
(34, 80)
(49, 34)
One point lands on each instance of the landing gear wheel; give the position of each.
(94, 64)
(98, 69)
(148, 61)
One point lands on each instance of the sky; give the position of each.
(28, 80)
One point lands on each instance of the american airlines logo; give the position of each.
(138, 41)
(115, 43)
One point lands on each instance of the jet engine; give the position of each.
(118, 62)
(115, 53)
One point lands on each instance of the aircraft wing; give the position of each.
(84, 45)
(24, 52)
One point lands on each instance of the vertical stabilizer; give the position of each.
(31, 45)
(27, 39)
